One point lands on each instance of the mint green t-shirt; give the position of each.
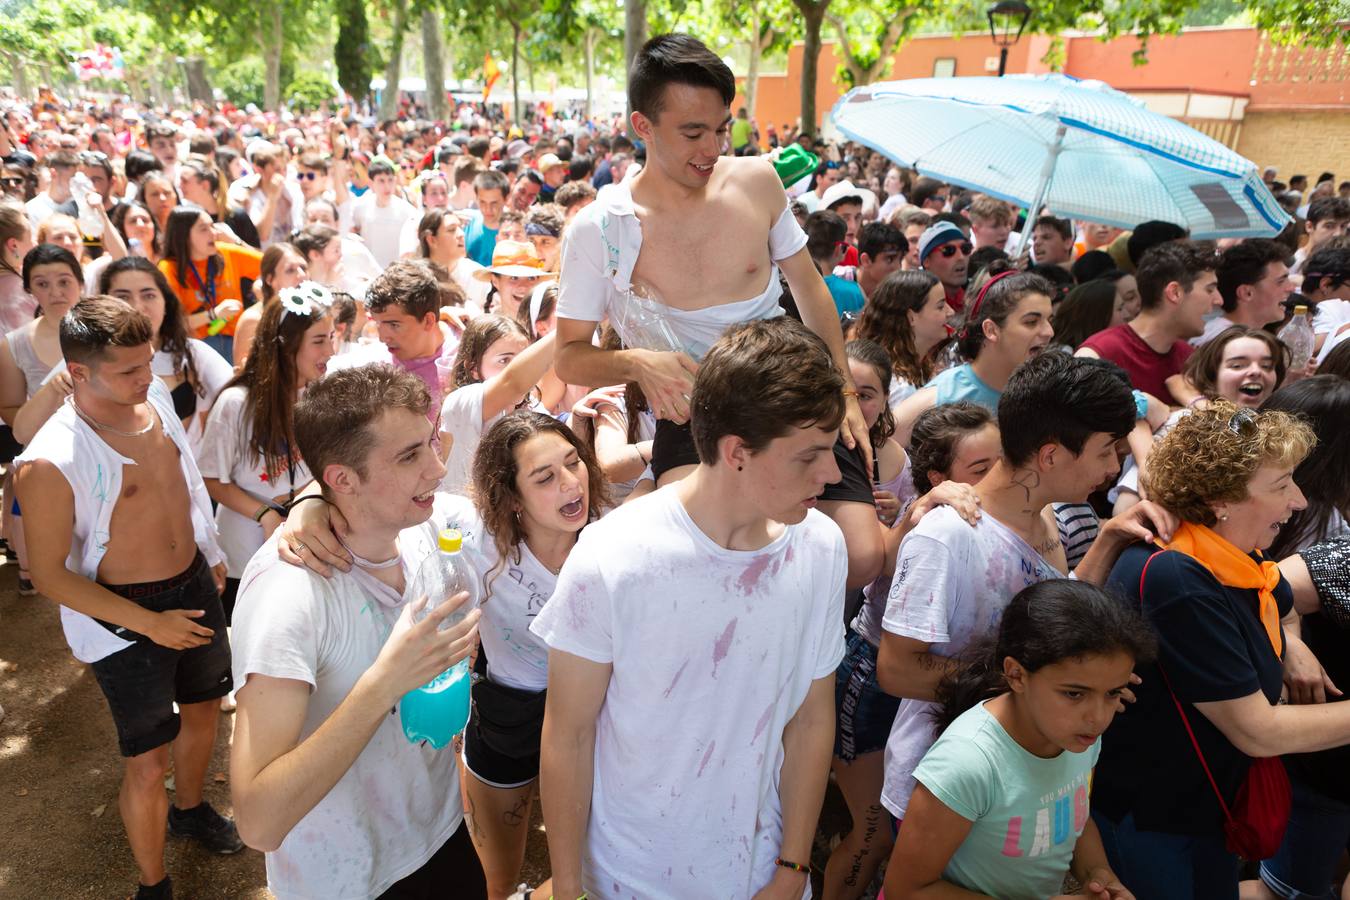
(1026, 812)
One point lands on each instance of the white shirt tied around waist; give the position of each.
(601, 248)
(94, 471)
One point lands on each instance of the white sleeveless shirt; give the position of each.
(94, 471)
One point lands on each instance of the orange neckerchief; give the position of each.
(1233, 568)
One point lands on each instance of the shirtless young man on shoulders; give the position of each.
(120, 533)
(708, 232)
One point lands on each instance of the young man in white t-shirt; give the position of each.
(120, 533)
(693, 636)
(1060, 419)
(323, 778)
(379, 215)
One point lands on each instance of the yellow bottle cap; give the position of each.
(450, 540)
(1300, 310)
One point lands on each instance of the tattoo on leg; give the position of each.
(470, 816)
(518, 814)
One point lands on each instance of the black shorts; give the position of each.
(452, 872)
(142, 682)
(673, 446)
(501, 741)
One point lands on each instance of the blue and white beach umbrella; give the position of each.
(1082, 148)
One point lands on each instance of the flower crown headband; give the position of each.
(309, 298)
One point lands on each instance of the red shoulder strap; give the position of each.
(1180, 709)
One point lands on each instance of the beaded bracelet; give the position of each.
(796, 867)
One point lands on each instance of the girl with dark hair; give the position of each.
(496, 370)
(28, 397)
(1241, 365)
(1337, 362)
(249, 459)
(282, 266)
(440, 240)
(956, 442)
(1088, 309)
(139, 232)
(1001, 805)
(159, 196)
(208, 276)
(192, 371)
(29, 392)
(907, 315)
(1323, 401)
(1008, 323)
(535, 486)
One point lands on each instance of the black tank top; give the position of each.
(184, 400)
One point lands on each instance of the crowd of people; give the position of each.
(1038, 556)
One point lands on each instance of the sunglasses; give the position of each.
(950, 250)
(12, 182)
(306, 176)
(1243, 424)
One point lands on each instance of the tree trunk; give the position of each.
(433, 64)
(393, 70)
(271, 44)
(198, 86)
(515, 73)
(16, 65)
(634, 36)
(813, 14)
(756, 51)
(589, 48)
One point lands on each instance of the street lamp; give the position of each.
(1007, 19)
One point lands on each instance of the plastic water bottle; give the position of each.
(439, 709)
(91, 224)
(1298, 337)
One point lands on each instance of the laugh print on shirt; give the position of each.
(1060, 818)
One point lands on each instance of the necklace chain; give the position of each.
(371, 564)
(108, 428)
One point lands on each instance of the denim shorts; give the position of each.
(865, 712)
(142, 682)
(1305, 865)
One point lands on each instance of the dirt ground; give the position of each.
(60, 772)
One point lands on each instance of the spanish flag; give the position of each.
(490, 74)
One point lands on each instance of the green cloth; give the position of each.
(740, 133)
(1026, 812)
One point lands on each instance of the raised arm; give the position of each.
(276, 779)
(819, 315)
(507, 388)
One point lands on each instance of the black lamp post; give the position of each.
(1007, 20)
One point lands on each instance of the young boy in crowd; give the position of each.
(120, 533)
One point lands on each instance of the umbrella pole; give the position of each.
(1047, 172)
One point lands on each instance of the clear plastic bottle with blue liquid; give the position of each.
(439, 709)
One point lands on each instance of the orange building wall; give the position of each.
(1298, 108)
(1236, 61)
